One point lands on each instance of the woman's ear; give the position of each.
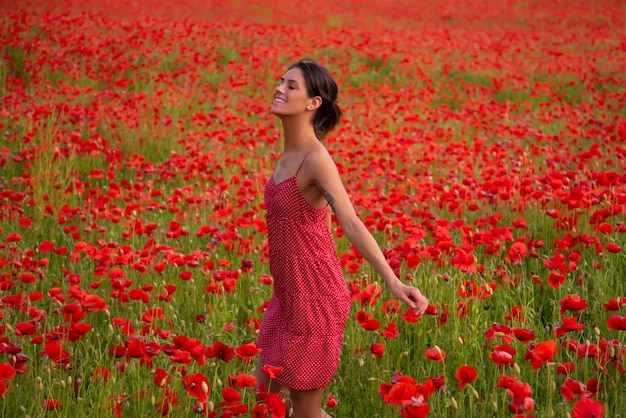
(315, 103)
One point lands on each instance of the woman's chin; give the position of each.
(275, 110)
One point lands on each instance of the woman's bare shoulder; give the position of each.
(319, 164)
(319, 157)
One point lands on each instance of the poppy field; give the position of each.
(483, 144)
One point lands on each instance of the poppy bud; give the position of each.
(516, 368)
(475, 393)
(205, 387)
(454, 404)
(494, 405)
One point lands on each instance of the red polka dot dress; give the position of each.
(303, 327)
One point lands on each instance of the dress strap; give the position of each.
(302, 162)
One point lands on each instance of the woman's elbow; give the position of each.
(352, 228)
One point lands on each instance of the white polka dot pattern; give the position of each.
(303, 327)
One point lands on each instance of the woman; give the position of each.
(302, 331)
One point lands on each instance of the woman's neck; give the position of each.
(297, 134)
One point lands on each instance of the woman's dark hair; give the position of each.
(319, 82)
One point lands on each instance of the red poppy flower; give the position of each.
(464, 261)
(13, 237)
(541, 353)
(161, 378)
(101, 374)
(463, 308)
(390, 307)
(502, 355)
(594, 386)
(517, 252)
(179, 356)
(572, 303)
(369, 296)
(410, 316)
(377, 349)
(519, 405)
(465, 374)
(331, 401)
(523, 335)
(613, 248)
(516, 313)
(467, 289)
(271, 372)
(588, 408)
(73, 312)
(232, 406)
(366, 321)
(247, 352)
(7, 371)
(614, 304)
(555, 279)
(27, 278)
(221, 351)
(168, 400)
(55, 353)
(500, 331)
(569, 324)
(50, 404)
(276, 406)
(398, 393)
(391, 331)
(197, 385)
(522, 401)
(565, 368)
(617, 322)
(435, 353)
(590, 350)
(572, 389)
(243, 380)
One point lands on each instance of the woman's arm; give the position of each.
(327, 179)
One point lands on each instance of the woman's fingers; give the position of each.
(420, 302)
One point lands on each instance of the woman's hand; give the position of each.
(411, 296)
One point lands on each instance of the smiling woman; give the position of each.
(303, 328)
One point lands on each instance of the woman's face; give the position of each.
(290, 95)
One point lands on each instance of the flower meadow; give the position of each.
(483, 145)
